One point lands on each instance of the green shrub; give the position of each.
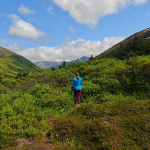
(137, 131)
(88, 70)
(9, 82)
(119, 125)
(91, 134)
(110, 85)
(90, 89)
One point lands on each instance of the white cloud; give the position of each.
(22, 29)
(71, 50)
(90, 11)
(4, 42)
(50, 10)
(140, 1)
(25, 11)
(71, 29)
(67, 38)
(42, 53)
(15, 47)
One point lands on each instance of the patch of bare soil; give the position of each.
(26, 144)
(44, 144)
(22, 141)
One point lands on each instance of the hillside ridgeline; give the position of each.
(11, 63)
(136, 45)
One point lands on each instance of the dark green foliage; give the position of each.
(102, 98)
(119, 125)
(136, 45)
(89, 89)
(90, 58)
(115, 76)
(64, 64)
(94, 133)
(138, 131)
(53, 68)
(135, 76)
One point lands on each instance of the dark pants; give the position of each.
(77, 95)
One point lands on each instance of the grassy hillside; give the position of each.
(135, 45)
(12, 63)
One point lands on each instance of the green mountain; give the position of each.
(11, 63)
(136, 45)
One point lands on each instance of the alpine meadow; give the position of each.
(38, 105)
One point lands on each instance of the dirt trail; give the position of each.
(22, 143)
(44, 144)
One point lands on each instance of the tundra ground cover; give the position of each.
(114, 111)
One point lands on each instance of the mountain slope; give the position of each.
(12, 63)
(136, 45)
(50, 64)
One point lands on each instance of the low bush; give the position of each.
(120, 125)
(110, 116)
(90, 89)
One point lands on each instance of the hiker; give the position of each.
(77, 82)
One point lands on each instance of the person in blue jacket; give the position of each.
(77, 82)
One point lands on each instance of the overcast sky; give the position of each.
(49, 30)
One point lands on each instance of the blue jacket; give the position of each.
(77, 83)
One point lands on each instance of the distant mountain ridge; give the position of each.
(12, 63)
(49, 64)
(136, 45)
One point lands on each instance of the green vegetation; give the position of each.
(135, 45)
(114, 111)
(115, 102)
(117, 125)
(12, 63)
